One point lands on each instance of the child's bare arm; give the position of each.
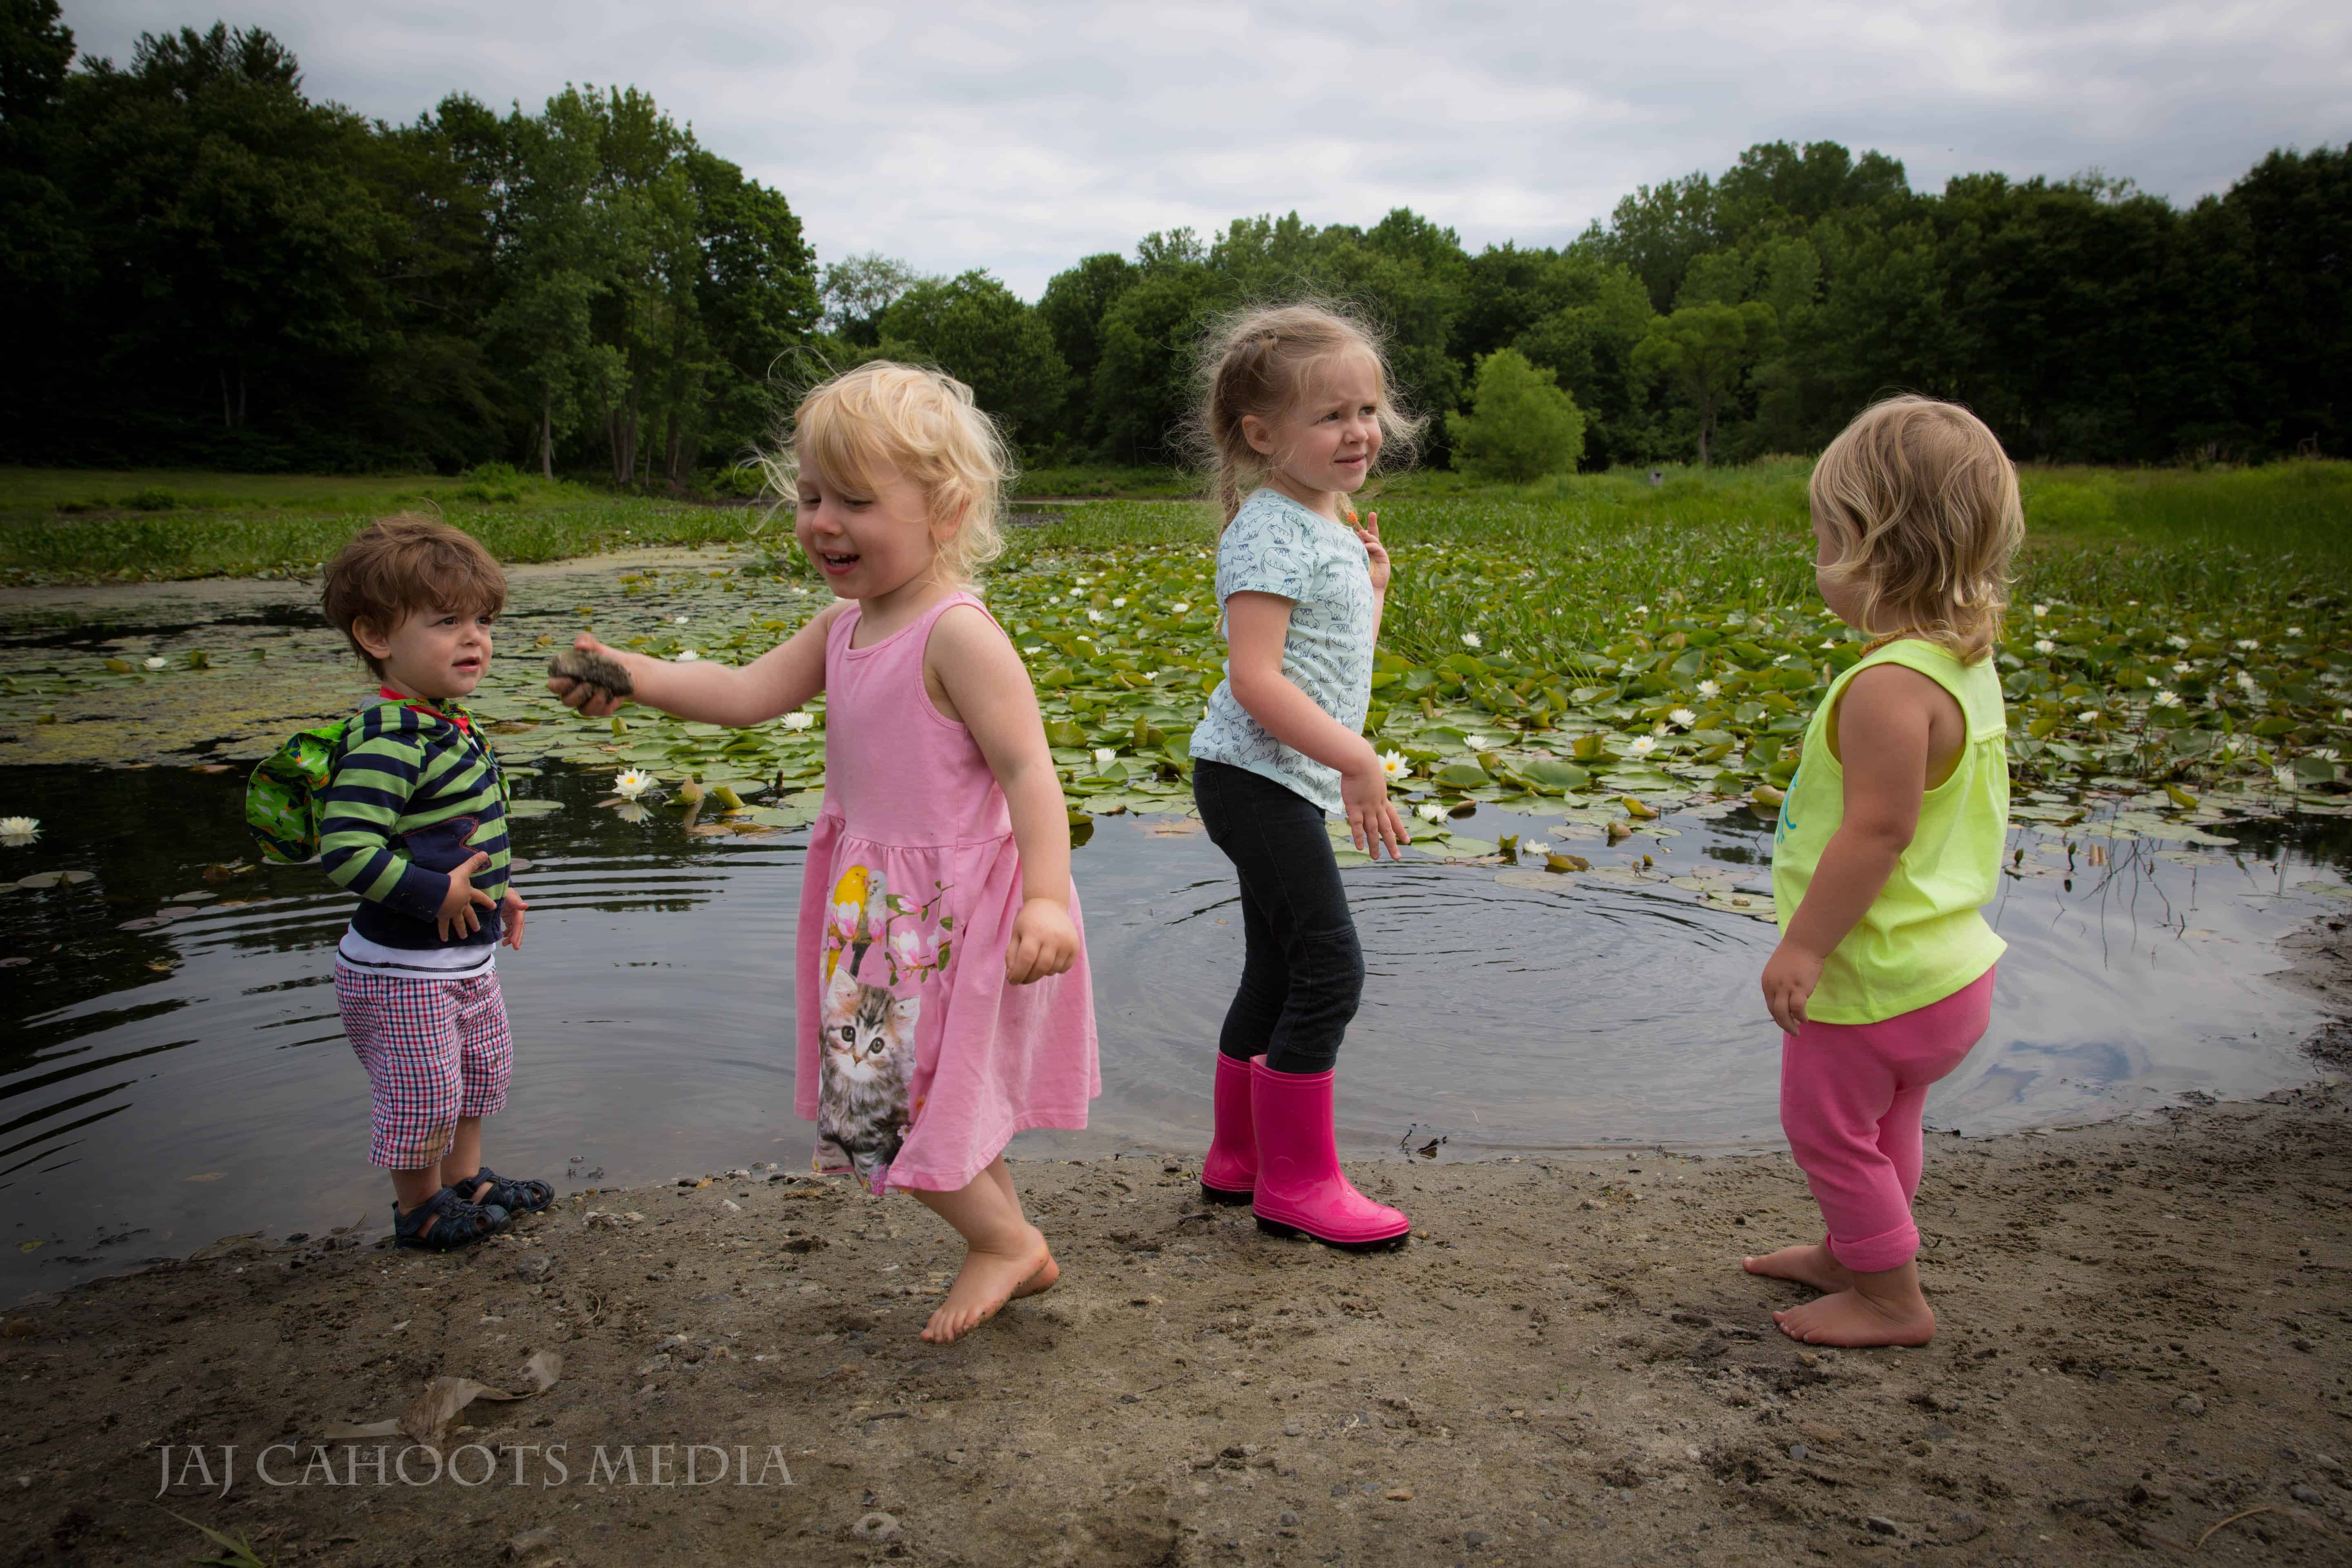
(778, 681)
(1885, 721)
(989, 691)
(1255, 625)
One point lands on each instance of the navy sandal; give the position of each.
(455, 1223)
(517, 1197)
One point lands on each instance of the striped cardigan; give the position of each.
(410, 799)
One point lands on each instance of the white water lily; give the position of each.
(155, 661)
(1430, 811)
(1641, 609)
(2295, 631)
(686, 655)
(1120, 603)
(2153, 681)
(1105, 757)
(1096, 616)
(1534, 846)
(800, 721)
(2250, 644)
(2248, 681)
(2177, 640)
(1470, 640)
(2284, 775)
(2043, 645)
(633, 782)
(1179, 606)
(1392, 765)
(2167, 699)
(1709, 689)
(1684, 718)
(2040, 611)
(19, 829)
(2180, 668)
(2088, 715)
(2326, 753)
(1642, 746)
(678, 620)
(1034, 648)
(1478, 742)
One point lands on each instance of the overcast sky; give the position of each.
(1019, 137)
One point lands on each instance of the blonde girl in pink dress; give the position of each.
(943, 1000)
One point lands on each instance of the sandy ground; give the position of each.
(2145, 1337)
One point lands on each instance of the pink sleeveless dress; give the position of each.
(918, 1060)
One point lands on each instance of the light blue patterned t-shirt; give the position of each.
(1275, 545)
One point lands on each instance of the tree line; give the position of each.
(212, 268)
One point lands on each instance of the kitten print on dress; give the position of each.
(863, 1074)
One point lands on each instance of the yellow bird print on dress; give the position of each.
(868, 893)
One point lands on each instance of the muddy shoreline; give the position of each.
(2144, 1333)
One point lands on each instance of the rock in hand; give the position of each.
(595, 669)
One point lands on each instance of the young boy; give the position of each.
(413, 820)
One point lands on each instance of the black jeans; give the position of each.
(1303, 970)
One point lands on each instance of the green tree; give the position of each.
(1705, 350)
(1521, 426)
(980, 332)
(858, 290)
(1143, 384)
(1073, 307)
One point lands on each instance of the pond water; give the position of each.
(173, 1069)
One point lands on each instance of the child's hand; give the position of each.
(1789, 976)
(510, 908)
(1372, 818)
(592, 701)
(1370, 533)
(1044, 941)
(457, 914)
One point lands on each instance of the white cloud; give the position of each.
(1018, 138)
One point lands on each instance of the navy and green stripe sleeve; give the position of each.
(401, 775)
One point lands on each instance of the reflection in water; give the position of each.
(173, 1070)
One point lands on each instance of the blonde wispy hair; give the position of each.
(1259, 361)
(1921, 507)
(863, 425)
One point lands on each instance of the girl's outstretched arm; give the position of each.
(1255, 625)
(988, 692)
(776, 682)
(1884, 722)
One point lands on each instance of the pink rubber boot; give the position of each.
(1229, 1172)
(1301, 1191)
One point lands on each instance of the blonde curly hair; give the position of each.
(863, 425)
(1921, 507)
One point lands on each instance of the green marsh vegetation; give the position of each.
(1597, 649)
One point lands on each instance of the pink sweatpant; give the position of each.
(1850, 1101)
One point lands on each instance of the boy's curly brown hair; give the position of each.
(398, 565)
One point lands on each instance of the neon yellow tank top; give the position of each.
(1926, 936)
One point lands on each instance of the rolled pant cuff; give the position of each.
(1877, 1254)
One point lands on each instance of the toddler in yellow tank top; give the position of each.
(1888, 847)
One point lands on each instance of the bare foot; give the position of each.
(1809, 1265)
(1850, 1318)
(1047, 1272)
(986, 1282)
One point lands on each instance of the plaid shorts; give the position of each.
(435, 1050)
